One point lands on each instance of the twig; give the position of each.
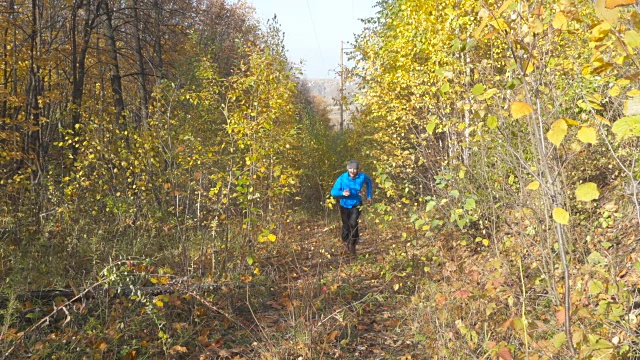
(46, 318)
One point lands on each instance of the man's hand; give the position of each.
(370, 200)
(346, 192)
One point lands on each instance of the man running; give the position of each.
(351, 187)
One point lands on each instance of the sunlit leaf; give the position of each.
(559, 339)
(488, 94)
(557, 132)
(595, 287)
(626, 126)
(602, 120)
(536, 26)
(534, 185)
(561, 216)
(559, 21)
(587, 192)
(614, 91)
(632, 38)
(607, 14)
(632, 106)
(588, 134)
(478, 89)
(611, 4)
(431, 126)
(492, 122)
(520, 109)
(599, 32)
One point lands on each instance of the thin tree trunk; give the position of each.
(115, 76)
(32, 140)
(142, 78)
(78, 58)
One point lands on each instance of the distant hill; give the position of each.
(329, 91)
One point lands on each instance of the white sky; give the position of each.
(313, 29)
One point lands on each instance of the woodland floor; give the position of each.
(310, 301)
(324, 303)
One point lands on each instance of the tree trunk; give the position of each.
(78, 66)
(115, 76)
(142, 78)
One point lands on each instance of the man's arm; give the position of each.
(369, 183)
(337, 190)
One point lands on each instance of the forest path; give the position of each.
(328, 304)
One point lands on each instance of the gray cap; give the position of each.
(352, 164)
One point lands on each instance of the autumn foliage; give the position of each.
(164, 176)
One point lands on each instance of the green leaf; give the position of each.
(32, 315)
(250, 260)
(559, 339)
(431, 126)
(430, 205)
(595, 287)
(587, 192)
(492, 122)
(561, 216)
(478, 90)
(488, 94)
(470, 204)
(595, 258)
(626, 126)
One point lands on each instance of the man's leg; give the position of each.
(345, 214)
(354, 235)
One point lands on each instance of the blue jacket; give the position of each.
(344, 182)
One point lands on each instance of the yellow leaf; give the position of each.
(271, 237)
(557, 132)
(602, 120)
(600, 32)
(520, 109)
(587, 134)
(536, 26)
(534, 185)
(492, 122)
(559, 21)
(606, 13)
(612, 4)
(561, 216)
(614, 91)
(159, 303)
(587, 192)
(634, 92)
(571, 122)
(632, 38)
